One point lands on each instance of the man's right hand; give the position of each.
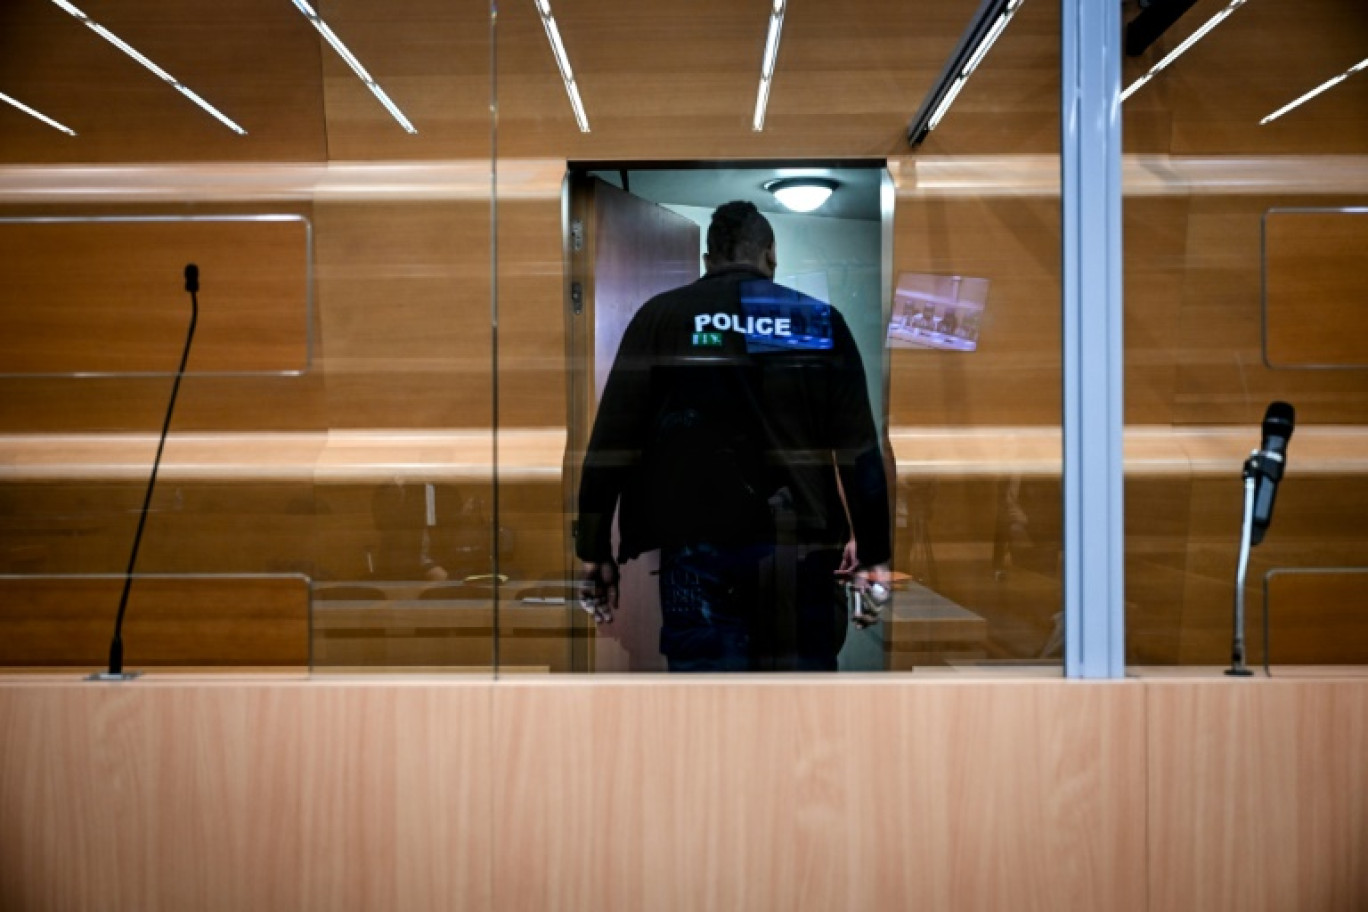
(598, 592)
(874, 585)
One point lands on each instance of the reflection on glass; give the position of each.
(973, 571)
(1314, 288)
(1244, 287)
(174, 621)
(735, 437)
(942, 312)
(1311, 616)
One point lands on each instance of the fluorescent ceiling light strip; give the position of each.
(128, 49)
(1131, 89)
(1324, 86)
(38, 114)
(767, 63)
(945, 104)
(984, 46)
(350, 59)
(776, 25)
(342, 50)
(166, 77)
(563, 63)
(577, 106)
(1182, 48)
(761, 100)
(1197, 35)
(558, 48)
(210, 109)
(393, 108)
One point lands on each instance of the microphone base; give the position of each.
(1239, 672)
(107, 676)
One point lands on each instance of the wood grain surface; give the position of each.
(957, 793)
(1256, 796)
(425, 242)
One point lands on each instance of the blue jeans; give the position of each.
(757, 608)
(707, 598)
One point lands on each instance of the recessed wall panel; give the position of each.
(107, 295)
(1315, 288)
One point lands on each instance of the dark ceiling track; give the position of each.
(979, 26)
(1156, 17)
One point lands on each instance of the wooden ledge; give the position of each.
(536, 454)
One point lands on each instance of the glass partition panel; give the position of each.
(328, 172)
(1243, 291)
(870, 382)
(182, 621)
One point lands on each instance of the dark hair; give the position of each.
(738, 233)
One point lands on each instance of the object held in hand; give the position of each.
(865, 604)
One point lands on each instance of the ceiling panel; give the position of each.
(1262, 56)
(663, 80)
(660, 80)
(255, 60)
(431, 58)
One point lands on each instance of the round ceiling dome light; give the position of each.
(801, 194)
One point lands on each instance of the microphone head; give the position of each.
(192, 278)
(1279, 420)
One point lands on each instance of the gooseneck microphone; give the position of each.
(1268, 463)
(115, 671)
(1263, 470)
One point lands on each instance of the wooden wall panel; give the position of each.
(68, 528)
(1158, 529)
(1317, 523)
(810, 796)
(138, 405)
(1315, 289)
(261, 796)
(1256, 797)
(990, 545)
(1222, 378)
(404, 292)
(109, 296)
(533, 513)
(1318, 616)
(242, 526)
(178, 622)
(253, 296)
(1154, 235)
(264, 792)
(1014, 243)
(533, 303)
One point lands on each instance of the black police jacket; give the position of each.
(732, 405)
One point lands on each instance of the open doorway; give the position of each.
(634, 230)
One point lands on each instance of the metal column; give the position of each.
(1090, 194)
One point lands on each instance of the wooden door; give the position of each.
(622, 251)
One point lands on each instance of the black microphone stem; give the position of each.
(116, 645)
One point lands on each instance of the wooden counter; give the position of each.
(949, 791)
